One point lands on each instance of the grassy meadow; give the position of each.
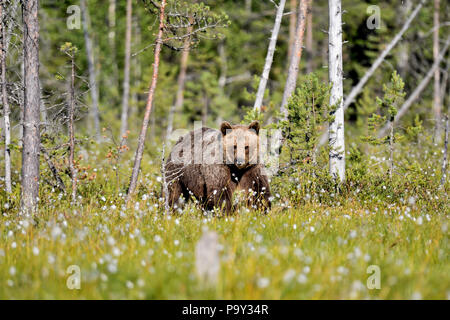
(311, 245)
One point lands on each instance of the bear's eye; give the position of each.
(246, 148)
(235, 147)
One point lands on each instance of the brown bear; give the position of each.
(209, 165)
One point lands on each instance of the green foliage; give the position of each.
(308, 111)
(387, 106)
(252, 115)
(69, 49)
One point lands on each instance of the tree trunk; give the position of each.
(179, 97)
(223, 64)
(126, 72)
(416, 93)
(391, 147)
(336, 129)
(291, 80)
(137, 68)
(292, 25)
(269, 57)
(31, 121)
(309, 39)
(403, 50)
(91, 67)
(248, 6)
(112, 38)
(43, 109)
(6, 107)
(73, 171)
(357, 89)
(437, 80)
(148, 107)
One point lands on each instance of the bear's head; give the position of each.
(240, 144)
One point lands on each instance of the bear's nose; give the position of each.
(239, 162)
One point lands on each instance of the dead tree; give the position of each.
(309, 39)
(359, 86)
(91, 67)
(31, 120)
(292, 25)
(437, 73)
(336, 138)
(59, 182)
(416, 93)
(6, 107)
(269, 57)
(71, 51)
(172, 34)
(296, 54)
(126, 73)
(112, 38)
(357, 89)
(148, 107)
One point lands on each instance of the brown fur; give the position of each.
(213, 183)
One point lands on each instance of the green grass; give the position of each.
(312, 245)
(310, 252)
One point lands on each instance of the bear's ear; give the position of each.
(224, 127)
(255, 126)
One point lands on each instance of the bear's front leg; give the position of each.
(256, 189)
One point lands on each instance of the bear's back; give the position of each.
(201, 147)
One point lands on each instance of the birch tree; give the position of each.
(91, 67)
(31, 120)
(269, 57)
(336, 129)
(126, 74)
(295, 56)
(6, 107)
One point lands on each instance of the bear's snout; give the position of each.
(239, 162)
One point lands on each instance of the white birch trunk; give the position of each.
(269, 57)
(336, 129)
